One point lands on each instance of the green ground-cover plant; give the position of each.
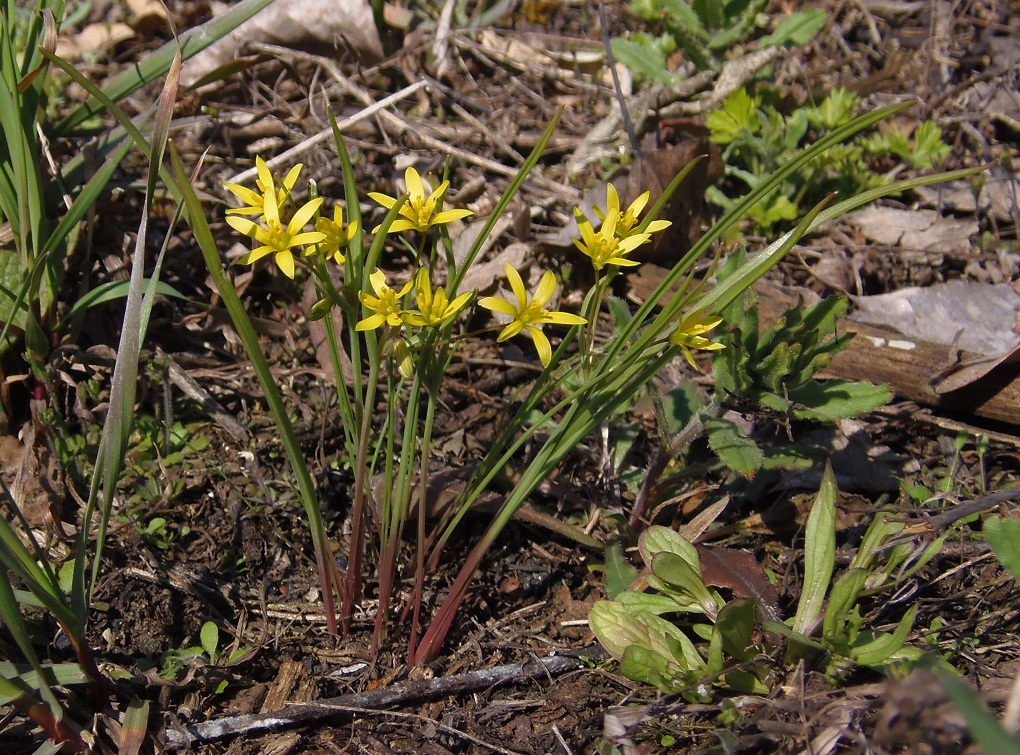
(400, 337)
(208, 661)
(707, 32)
(756, 138)
(635, 624)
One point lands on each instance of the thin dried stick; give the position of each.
(290, 154)
(303, 714)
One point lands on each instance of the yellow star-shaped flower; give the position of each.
(419, 212)
(255, 201)
(433, 308)
(274, 237)
(627, 221)
(527, 314)
(336, 236)
(688, 335)
(385, 304)
(605, 247)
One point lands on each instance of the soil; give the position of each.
(233, 547)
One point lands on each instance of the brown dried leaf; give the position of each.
(740, 572)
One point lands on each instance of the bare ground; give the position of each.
(235, 551)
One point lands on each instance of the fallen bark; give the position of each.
(912, 368)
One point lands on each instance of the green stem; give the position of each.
(351, 594)
(423, 479)
(328, 577)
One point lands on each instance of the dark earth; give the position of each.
(233, 548)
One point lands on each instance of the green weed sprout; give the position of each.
(756, 138)
(653, 649)
(707, 31)
(402, 335)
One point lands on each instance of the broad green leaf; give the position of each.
(1003, 535)
(684, 577)
(617, 628)
(776, 364)
(736, 626)
(650, 602)
(833, 400)
(682, 14)
(790, 457)
(819, 553)
(210, 637)
(642, 59)
(658, 539)
(679, 406)
(640, 664)
(734, 448)
(619, 573)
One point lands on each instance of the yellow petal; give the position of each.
(546, 288)
(292, 177)
(498, 305)
(378, 281)
(517, 285)
(457, 304)
(371, 323)
(563, 318)
(613, 199)
(399, 226)
(285, 261)
(447, 216)
(541, 344)
(304, 214)
(383, 199)
(242, 225)
(265, 176)
(413, 182)
(639, 204)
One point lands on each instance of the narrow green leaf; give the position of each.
(984, 725)
(797, 28)
(158, 63)
(819, 553)
(113, 290)
(56, 675)
(842, 598)
(134, 728)
(877, 651)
